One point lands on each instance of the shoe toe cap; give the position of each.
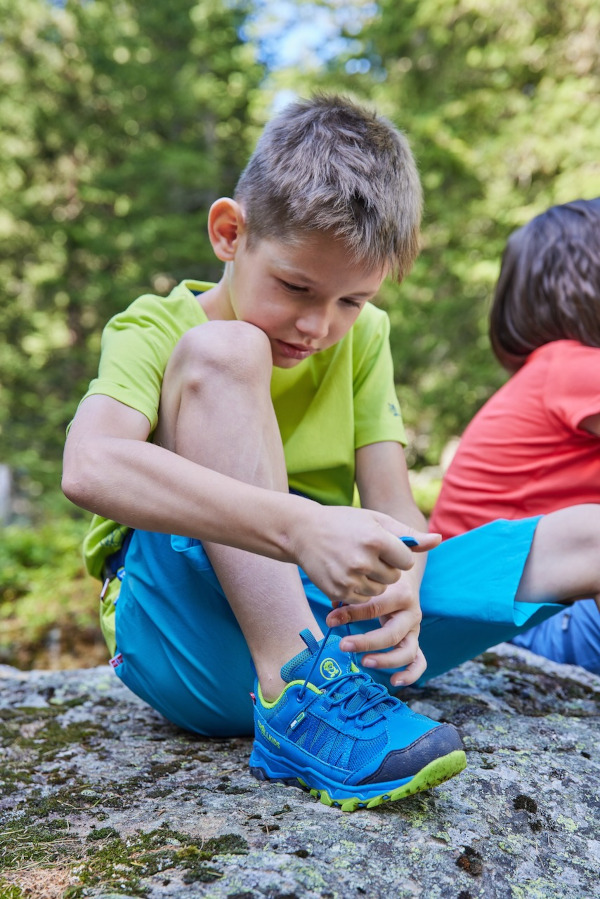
(402, 763)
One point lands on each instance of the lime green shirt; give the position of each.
(326, 406)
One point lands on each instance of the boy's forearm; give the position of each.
(147, 487)
(382, 477)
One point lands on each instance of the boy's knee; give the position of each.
(574, 528)
(236, 352)
(564, 559)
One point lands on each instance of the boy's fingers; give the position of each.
(382, 575)
(365, 592)
(405, 655)
(398, 657)
(395, 550)
(411, 673)
(398, 629)
(375, 608)
(395, 554)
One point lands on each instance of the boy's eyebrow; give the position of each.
(293, 272)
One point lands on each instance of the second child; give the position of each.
(534, 447)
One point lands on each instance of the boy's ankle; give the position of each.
(271, 686)
(268, 669)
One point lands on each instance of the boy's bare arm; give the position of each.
(383, 484)
(111, 469)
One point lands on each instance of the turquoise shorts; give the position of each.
(179, 646)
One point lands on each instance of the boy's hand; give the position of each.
(399, 613)
(355, 554)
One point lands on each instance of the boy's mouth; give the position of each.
(294, 350)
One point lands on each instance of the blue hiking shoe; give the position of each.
(337, 733)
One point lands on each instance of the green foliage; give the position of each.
(9, 891)
(45, 591)
(122, 122)
(499, 102)
(425, 485)
(26, 551)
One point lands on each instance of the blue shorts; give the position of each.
(179, 646)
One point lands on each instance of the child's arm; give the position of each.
(111, 469)
(382, 479)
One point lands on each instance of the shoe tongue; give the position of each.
(331, 663)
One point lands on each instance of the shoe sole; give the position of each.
(433, 774)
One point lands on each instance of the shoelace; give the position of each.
(374, 694)
(302, 690)
(408, 541)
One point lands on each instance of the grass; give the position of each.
(48, 603)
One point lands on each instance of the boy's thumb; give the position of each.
(424, 541)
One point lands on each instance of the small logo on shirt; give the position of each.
(394, 409)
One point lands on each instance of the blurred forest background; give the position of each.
(122, 120)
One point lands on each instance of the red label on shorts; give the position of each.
(116, 660)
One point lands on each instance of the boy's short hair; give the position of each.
(549, 283)
(327, 164)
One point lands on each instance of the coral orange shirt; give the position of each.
(524, 453)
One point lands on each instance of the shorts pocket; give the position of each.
(194, 554)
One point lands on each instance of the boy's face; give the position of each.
(305, 295)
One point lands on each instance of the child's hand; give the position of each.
(354, 554)
(399, 613)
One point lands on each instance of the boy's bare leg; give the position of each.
(564, 560)
(216, 410)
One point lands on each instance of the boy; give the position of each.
(225, 433)
(182, 439)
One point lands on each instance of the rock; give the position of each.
(101, 797)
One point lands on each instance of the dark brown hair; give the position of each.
(549, 283)
(329, 165)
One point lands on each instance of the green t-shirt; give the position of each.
(326, 406)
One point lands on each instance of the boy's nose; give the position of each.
(314, 324)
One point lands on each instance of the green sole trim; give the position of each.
(431, 775)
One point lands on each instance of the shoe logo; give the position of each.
(267, 735)
(330, 669)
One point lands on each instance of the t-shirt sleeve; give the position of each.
(136, 346)
(573, 387)
(377, 415)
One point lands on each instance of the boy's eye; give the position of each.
(354, 304)
(294, 288)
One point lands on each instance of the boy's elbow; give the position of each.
(78, 476)
(73, 487)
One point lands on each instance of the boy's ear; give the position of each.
(225, 227)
